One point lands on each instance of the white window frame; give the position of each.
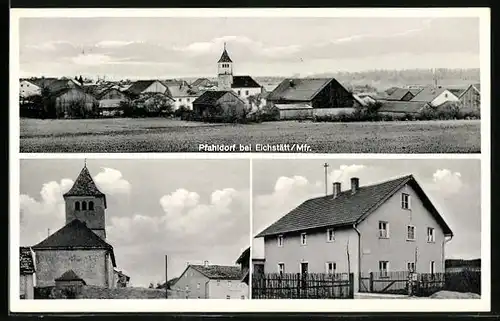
(386, 236)
(303, 239)
(198, 285)
(408, 232)
(280, 240)
(432, 267)
(382, 275)
(328, 235)
(279, 268)
(431, 237)
(334, 267)
(405, 202)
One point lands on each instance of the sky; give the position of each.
(453, 186)
(190, 210)
(190, 47)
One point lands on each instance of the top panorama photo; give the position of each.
(260, 84)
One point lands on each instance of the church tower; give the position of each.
(85, 202)
(225, 71)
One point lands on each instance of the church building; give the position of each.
(243, 86)
(80, 246)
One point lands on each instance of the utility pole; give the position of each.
(166, 277)
(48, 232)
(325, 165)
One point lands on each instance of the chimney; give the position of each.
(336, 189)
(354, 184)
(205, 263)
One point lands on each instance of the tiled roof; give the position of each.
(428, 94)
(347, 208)
(183, 91)
(244, 82)
(26, 264)
(69, 275)
(84, 185)
(224, 57)
(200, 82)
(74, 235)
(245, 256)
(391, 90)
(410, 107)
(139, 86)
(42, 82)
(298, 89)
(456, 91)
(398, 94)
(210, 97)
(415, 91)
(223, 272)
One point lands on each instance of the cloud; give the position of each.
(48, 212)
(50, 45)
(345, 172)
(447, 182)
(111, 182)
(36, 216)
(91, 59)
(113, 43)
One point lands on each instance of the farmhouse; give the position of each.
(27, 269)
(243, 86)
(212, 282)
(402, 94)
(471, 97)
(147, 86)
(325, 95)
(111, 98)
(435, 96)
(389, 226)
(80, 246)
(219, 102)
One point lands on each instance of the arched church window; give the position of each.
(84, 206)
(91, 206)
(77, 206)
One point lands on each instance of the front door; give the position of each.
(304, 267)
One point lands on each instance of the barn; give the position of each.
(218, 103)
(73, 102)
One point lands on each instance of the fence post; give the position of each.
(371, 281)
(298, 285)
(351, 285)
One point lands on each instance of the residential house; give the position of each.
(212, 282)
(183, 95)
(29, 88)
(435, 96)
(147, 86)
(27, 271)
(244, 262)
(325, 95)
(222, 101)
(455, 265)
(81, 244)
(471, 97)
(246, 86)
(400, 108)
(384, 227)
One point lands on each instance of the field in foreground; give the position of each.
(167, 135)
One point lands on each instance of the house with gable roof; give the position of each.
(212, 282)
(80, 246)
(435, 96)
(384, 227)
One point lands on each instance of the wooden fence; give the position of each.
(303, 286)
(425, 284)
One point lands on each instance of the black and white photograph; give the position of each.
(366, 229)
(134, 229)
(249, 84)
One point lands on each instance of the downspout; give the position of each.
(446, 240)
(206, 289)
(359, 252)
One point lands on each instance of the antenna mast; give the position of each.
(325, 165)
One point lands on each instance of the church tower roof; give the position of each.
(225, 56)
(84, 185)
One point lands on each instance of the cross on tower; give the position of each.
(84, 162)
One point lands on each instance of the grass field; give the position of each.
(167, 135)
